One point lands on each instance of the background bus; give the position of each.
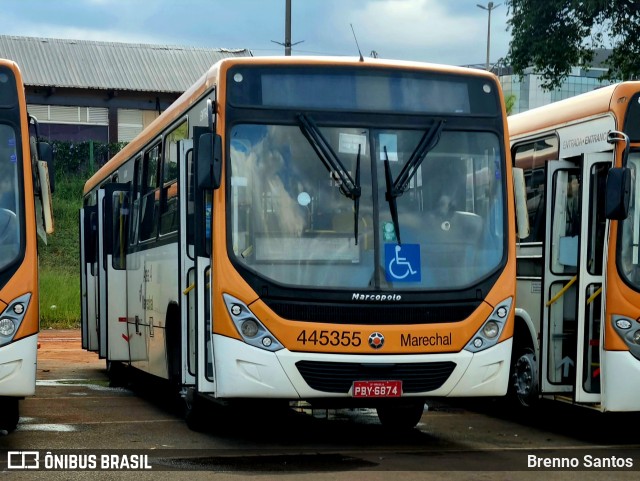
(328, 230)
(577, 335)
(22, 179)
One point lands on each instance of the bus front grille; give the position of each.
(372, 314)
(338, 377)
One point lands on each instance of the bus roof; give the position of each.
(566, 111)
(210, 78)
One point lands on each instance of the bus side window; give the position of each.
(150, 199)
(532, 158)
(135, 208)
(169, 197)
(120, 202)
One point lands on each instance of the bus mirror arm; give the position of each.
(618, 190)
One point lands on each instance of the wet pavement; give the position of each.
(75, 411)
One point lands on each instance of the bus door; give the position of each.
(573, 277)
(187, 263)
(203, 245)
(113, 215)
(88, 277)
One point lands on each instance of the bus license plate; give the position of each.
(377, 389)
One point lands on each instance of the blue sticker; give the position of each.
(402, 262)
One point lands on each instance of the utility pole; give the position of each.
(490, 6)
(287, 31)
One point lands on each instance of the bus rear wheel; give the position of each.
(9, 413)
(400, 416)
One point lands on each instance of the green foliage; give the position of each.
(59, 299)
(552, 36)
(60, 257)
(76, 157)
(509, 101)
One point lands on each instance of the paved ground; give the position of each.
(61, 355)
(74, 409)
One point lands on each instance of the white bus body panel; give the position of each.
(18, 367)
(620, 392)
(117, 343)
(137, 330)
(156, 285)
(246, 371)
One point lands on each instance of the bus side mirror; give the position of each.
(45, 153)
(618, 193)
(209, 161)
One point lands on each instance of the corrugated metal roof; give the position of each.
(110, 65)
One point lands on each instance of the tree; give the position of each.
(509, 102)
(552, 36)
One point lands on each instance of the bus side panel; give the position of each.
(161, 287)
(117, 335)
(88, 312)
(92, 310)
(137, 331)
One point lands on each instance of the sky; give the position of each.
(451, 32)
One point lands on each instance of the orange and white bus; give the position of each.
(334, 231)
(577, 334)
(22, 179)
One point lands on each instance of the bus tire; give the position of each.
(523, 387)
(9, 413)
(117, 373)
(195, 412)
(400, 417)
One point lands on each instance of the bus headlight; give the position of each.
(7, 327)
(11, 318)
(491, 329)
(249, 328)
(489, 333)
(252, 331)
(629, 331)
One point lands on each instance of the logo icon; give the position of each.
(23, 460)
(376, 340)
(402, 262)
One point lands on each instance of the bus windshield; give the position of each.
(293, 221)
(9, 197)
(629, 245)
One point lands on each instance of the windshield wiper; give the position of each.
(398, 187)
(348, 187)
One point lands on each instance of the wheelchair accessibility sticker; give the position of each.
(402, 262)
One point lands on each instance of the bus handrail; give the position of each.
(562, 291)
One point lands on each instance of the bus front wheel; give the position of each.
(524, 378)
(400, 416)
(9, 413)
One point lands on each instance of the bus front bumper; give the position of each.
(18, 367)
(244, 371)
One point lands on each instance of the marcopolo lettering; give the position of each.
(356, 296)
